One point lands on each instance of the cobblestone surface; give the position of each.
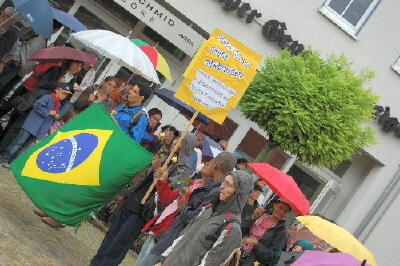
(25, 240)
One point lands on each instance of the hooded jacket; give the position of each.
(215, 234)
(199, 198)
(187, 147)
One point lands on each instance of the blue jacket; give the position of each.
(124, 116)
(148, 137)
(39, 120)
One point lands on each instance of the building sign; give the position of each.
(388, 123)
(218, 76)
(272, 30)
(165, 23)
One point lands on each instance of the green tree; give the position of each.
(313, 107)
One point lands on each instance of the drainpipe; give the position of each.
(379, 208)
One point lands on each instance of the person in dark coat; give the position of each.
(9, 49)
(266, 237)
(8, 34)
(44, 85)
(214, 236)
(198, 199)
(211, 174)
(251, 204)
(127, 223)
(36, 126)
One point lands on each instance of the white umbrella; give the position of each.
(117, 48)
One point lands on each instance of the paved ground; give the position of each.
(25, 240)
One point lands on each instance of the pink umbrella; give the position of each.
(63, 52)
(283, 185)
(320, 258)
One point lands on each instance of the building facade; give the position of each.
(362, 194)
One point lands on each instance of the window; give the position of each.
(396, 65)
(252, 144)
(63, 5)
(119, 12)
(342, 168)
(91, 21)
(349, 15)
(164, 43)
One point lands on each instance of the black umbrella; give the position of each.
(168, 97)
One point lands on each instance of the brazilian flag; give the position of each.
(81, 167)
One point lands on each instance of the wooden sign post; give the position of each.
(171, 154)
(215, 80)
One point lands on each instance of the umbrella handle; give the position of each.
(364, 263)
(271, 199)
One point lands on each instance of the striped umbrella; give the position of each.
(158, 61)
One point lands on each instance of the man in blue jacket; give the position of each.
(131, 117)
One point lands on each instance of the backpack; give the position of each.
(135, 119)
(25, 102)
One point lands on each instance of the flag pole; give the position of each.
(171, 154)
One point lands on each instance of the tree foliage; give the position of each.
(313, 107)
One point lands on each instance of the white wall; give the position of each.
(384, 239)
(377, 47)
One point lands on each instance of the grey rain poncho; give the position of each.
(213, 237)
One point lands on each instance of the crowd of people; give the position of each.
(202, 212)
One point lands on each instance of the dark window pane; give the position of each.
(119, 12)
(342, 168)
(308, 184)
(339, 5)
(253, 143)
(164, 43)
(91, 21)
(356, 10)
(63, 5)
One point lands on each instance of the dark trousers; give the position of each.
(12, 130)
(6, 106)
(23, 140)
(125, 228)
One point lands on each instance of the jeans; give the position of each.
(12, 130)
(23, 139)
(125, 228)
(146, 258)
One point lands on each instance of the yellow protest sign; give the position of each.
(218, 76)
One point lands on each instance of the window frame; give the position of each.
(342, 23)
(396, 65)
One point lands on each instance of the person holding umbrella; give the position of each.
(214, 236)
(44, 113)
(35, 88)
(266, 237)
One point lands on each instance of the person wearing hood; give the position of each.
(182, 166)
(181, 206)
(133, 215)
(218, 168)
(125, 113)
(214, 236)
(267, 237)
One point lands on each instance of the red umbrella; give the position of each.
(63, 52)
(283, 185)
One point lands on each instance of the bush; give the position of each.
(312, 107)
